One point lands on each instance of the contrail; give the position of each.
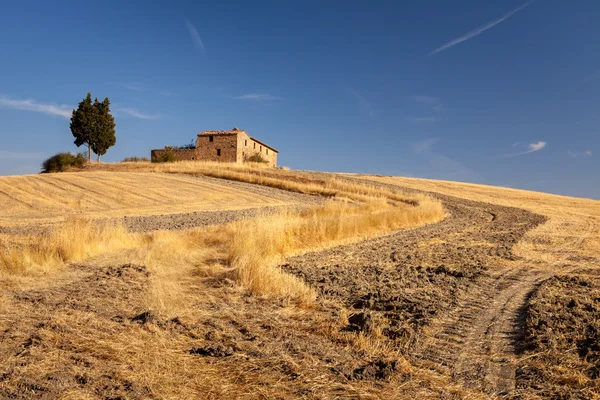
(480, 30)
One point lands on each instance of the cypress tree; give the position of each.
(104, 135)
(82, 124)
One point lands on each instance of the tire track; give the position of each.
(408, 276)
(477, 340)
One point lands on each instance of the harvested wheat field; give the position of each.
(360, 287)
(37, 199)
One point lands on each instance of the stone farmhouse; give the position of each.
(226, 146)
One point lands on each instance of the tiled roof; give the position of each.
(231, 132)
(264, 144)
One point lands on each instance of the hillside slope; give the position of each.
(471, 305)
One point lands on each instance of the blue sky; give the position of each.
(495, 92)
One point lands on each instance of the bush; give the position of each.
(167, 156)
(135, 159)
(62, 161)
(256, 158)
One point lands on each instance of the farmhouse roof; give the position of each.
(264, 144)
(234, 131)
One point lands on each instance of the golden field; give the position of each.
(94, 311)
(38, 199)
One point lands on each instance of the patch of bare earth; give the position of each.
(561, 339)
(443, 294)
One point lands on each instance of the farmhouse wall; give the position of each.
(223, 147)
(247, 147)
(180, 154)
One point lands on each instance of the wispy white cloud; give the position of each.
(194, 35)
(429, 102)
(535, 146)
(31, 105)
(135, 113)
(586, 154)
(136, 86)
(167, 93)
(364, 104)
(480, 30)
(426, 100)
(422, 120)
(593, 77)
(424, 145)
(530, 148)
(257, 97)
(442, 167)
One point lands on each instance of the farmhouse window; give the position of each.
(254, 145)
(246, 142)
(267, 151)
(210, 138)
(261, 149)
(219, 152)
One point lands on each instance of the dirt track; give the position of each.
(439, 292)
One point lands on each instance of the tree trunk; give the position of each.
(98, 157)
(89, 153)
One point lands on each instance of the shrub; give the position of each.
(135, 159)
(256, 158)
(62, 161)
(167, 156)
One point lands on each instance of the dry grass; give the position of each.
(250, 250)
(36, 199)
(271, 177)
(74, 240)
(259, 246)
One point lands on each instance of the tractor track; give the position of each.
(466, 328)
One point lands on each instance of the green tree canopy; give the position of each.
(104, 129)
(82, 124)
(93, 125)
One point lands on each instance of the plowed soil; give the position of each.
(440, 292)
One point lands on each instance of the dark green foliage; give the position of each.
(92, 125)
(167, 156)
(62, 161)
(135, 159)
(104, 128)
(82, 123)
(256, 158)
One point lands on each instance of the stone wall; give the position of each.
(222, 148)
(248, 147)
(180, 154)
